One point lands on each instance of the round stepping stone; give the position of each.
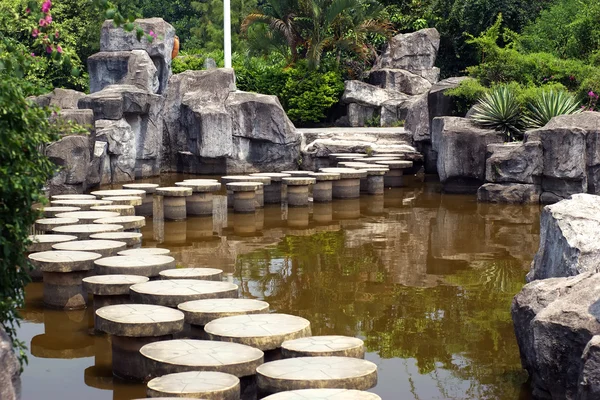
(203, 274)
(201, 312)
(174, 191)
(119, 193)
(109, 290)
(50, 212)
(374, 160)
(146, 187)
(174, 202)
(84, 205)
(316, 373)
(44, 242)
(395, 164)
(131, 239)
(297, 190)
(201, 200)
(200, 186)
(348, 187)
(125, 200)
(274, 176)
(64, 261)
(84, 231)
(298, 174)
(201, 180)
(197, 384)
(73, 197)
(244, 196)
(346, 173)
(174, 356)
(133, 326)
(146, 251)
(149, 265)
(324, 394)
(123, 210)
(334, 156)
(273, 191)
(147, 207)
(323, 188)
(341, 346)
(395, 176)
(87, 217)
(172, 292)
(128, 223)
(106, 248)
(263, 331)
(47, 224)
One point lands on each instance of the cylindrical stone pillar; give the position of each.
(297, 190)
(394, 178)
(260, 193)
(323, 189)
(244, 196)
(348, 187)
(174, 203)
(146, 208)
(272, 192)
(201, 200)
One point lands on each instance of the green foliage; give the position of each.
(549, 105)
(500, 110)
(466, 94)
(375, 121)
(194, 62)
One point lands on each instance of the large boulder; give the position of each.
(72, 155)
(439, 104)
(121, 148)
(589, 376)
(570, 238)
(512, 193)
(414, 51)
(115, 101)
(461, 148)
(514, 163)
(369, 95)
(400, 80)
(10, 370)
(160, 49)
(360, 115)
(61, 98)
(133, 67)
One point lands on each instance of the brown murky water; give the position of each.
(425, 279)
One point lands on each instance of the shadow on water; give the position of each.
(425, 279)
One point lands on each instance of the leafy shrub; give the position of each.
(500, 110)
(466, 94)
(187, 63)
(548, 105)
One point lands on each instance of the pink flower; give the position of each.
(32, 54)
(48, 19)
(46, 6)
(56, 34)
(27, 11)
(49, 50)
(592, 94)
(59, 49)
(42, 22)
(35, 32)
(151, 33)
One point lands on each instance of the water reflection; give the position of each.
(426, 280)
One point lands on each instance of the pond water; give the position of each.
(425, 279)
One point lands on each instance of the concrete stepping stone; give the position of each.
(395, 177)
(201, 312)
(125, 200)
(316, 373)
(174, 201)
(146, 209)
(133, 326)
(146, 251)
(323, 394)
(41, 243)
(197, 384)
(129, 223)
(62, 273)
(297, 190)
(47, 224)
(172, 292)
(260, 192)
(299, 174)
(203, 274)
(348, 186)
(334, 156)
(73, 197)
(201, 180)
(87, 217)
(244, 196)
(272, 192)
(119, 193)
(106, 248)
(201, 200)
(313, 346)
(83, 205)
(123, 210)
(353, 164)
(84, 231)
(149, 265)
(110, 290)
(50, 212)
(375, 159)
(183, 355)
(374, 182)
(323, 189)
(263, 331)
(131, 239)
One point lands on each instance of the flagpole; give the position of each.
(227, 32)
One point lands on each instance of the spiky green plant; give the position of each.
(499, 110)
(548, 105)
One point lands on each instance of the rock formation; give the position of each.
(10, 375)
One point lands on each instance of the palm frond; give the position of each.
(548, 105)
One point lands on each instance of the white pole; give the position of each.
(227, 32)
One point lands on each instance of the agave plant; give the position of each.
(548, 105)
(500, 110)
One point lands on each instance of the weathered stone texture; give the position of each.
(10, 370)
(514, 163)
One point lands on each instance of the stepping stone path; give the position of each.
(297, 190)
(125, 200)
(395, 177)
(201, 312)
(128, 223)
(133, 326)
(263, 331)
(83, 205)
(323, 394)
(316, 373)
(131, 239)
(197, 384)
(123, 210)
(146, 209)
(174, 356)
(341, 346)
(322, 191)
(348, 187)
(204, 274)
(149, 265)
(87, 217)
(73, 197)
(272, 192)
(105, 248)
(244, 196)
(174, 201)
(84, 231)
(119, 193)
(48, 224)
(146, 251)
(109, 290)
(172, 292)
(201, 200)
(50, 212)
(45, 242)
(62, 273)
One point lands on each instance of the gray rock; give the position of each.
(461, 149)
(359, 115)
(123, 67)
(570, 238)
(414, 113)
(10, 373)
(121, 148)
(388, 113)
(369, 95)
(439, 104)
(589, 376)
(116, 100)
(208, 127)
(414, 51)
(261, 156)
(99, 172)
(400, 80)
(513, 193)
(61, 98)
(210, 63)
(72, 155)
(85, 118)
(160, 50)
(514, 162)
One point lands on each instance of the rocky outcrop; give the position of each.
(512, 193)
(133, 67)
(368, 95)
(401, 80)
(61, 98)
(72, 155)
(514, 163)
(414, 51)
(10, 370)
(439, 104)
